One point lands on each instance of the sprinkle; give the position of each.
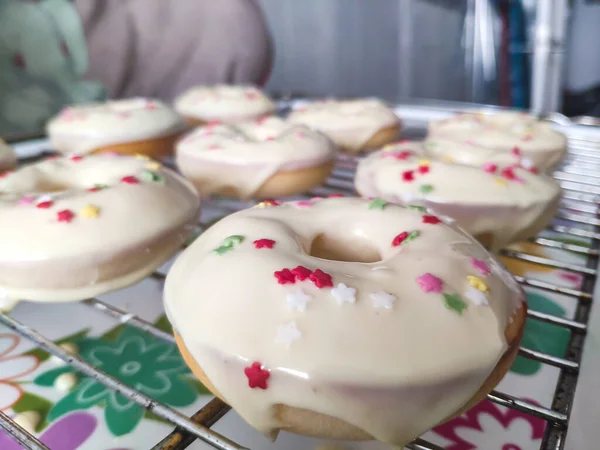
(399, 239)
(264, 243)
(398, 155)
(429, 283)
(448, 159)
(89, 212)
(499, 181)
(417, 208)
(287, 334)
(257, 376)
(26, 200)
(476, 296)
(268, 204)
(300, 135)
(490, 167)
(153, 165)
(148, 175)
(408, 175)
(142, 156)
(477, 283)
(321, 279)
(481, 266)
(229, 243)
(527, 138)
(75, 158)
(431, 220)
(382, 300)
(285, 276)
(251, 95)
(344, 294)
(423, 169)
(65, 216)
(302, 204)
(335, 196)
(509, 174)
(527, 164)
(424, 162)
(377, 203)
(297, 300)
(426, 188)
(455, 303)
(301, 272)
(130, 179)
(97, 187)
(214, 147)
(45, 204)
(516, 151)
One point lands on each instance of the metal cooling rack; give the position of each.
(579, 176)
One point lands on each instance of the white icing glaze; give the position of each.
(246, 155)
(115, 237)
(479, 201)
(349, 123)
(393, 372)
(8, 159)
(85, 128)
(476, 138)
(224, 103)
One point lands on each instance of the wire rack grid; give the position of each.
(579, 176)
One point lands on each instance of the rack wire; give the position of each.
(578, 218)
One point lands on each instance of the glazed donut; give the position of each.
(75, 227)
(354, 125)
(223, 103)
(344, 318)
(8, 159)
(501, 138)
(496, 205)
(259, 159)
(132, 126)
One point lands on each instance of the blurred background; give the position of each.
(57, 52)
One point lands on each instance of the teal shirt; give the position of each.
(42, 59)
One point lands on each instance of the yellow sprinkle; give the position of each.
(140, 156)
(89, 212)
(389, 147)
(262, 205)
(153, 165)
(477, 283)
(424, 162)
(448, 159)
(500, 181)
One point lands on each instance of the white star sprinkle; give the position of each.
(344, 294)
(408, 197)
(288, 333)
(298, 300)
(476, 296)
(44, 198)
(527, 163)
(382, 299)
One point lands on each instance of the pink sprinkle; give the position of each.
(571, 277)
(490, 167)
(270, 138)
(481, 266)
(408, 175)
(527, 138)
(400, 156)
(251, 95)
(509, 174)
(314, 199)
(264, 243)
(300, 135)
(302, 204)
(212, 124)
(429, 283)
(130, 179)
(321, 279)
(301, 272)
(76, 158)
(432, 220)
(27, 200)
(150, 105)
(423, 169)
(335, 196)
(516, 151)
(469, 142)
(213, 147)
(124, 114)
(285, 276)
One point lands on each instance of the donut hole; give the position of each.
(341, 248)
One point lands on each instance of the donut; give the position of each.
(223, 103)
(131, 126)
(8, 159)
(75, 227)
(354, 125)
(344, 318)
(501, 138)
(258, 159)
(497, 205)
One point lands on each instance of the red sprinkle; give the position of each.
(335, 195)
(301, 272)
(45, 205)
(285, 276)
(431, 220)
(94, 189)
(76, 158)
(399, 239)
(130, 179)
(408, 175)
(272, 202)
(490, 167)
(533, 170)
(321, 279)
(508, 173)
(270, 138)
(264, 243)
(423, 169)
(65, 215)
(401, 155)
(257, 376)
(516, 151)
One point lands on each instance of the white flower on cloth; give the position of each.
(12, 369)
(489, 426)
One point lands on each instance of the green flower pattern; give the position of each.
(139, 360)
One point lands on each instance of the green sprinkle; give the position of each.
(100, 186)
(377, 203)
(417, 208)
(229, 243)
(411, 237)
(426, 188)
(455, 303)
(148, 175)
